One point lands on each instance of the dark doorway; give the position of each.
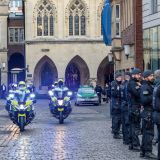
(72, 77)
(105, 73)
(16, 61)
(47, 75)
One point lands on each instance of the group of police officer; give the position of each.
(135, 105)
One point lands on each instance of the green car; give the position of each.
(86, 95)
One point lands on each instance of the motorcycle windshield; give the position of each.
(60, 94)
(21, 97)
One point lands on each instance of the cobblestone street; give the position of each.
(85, 135)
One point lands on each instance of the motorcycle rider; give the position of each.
(23, 88)
(135, 105)
(146, 94)
(125, 102)
(11, 92)
(30, 86)
(116, 105)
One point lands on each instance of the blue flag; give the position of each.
(106, 22)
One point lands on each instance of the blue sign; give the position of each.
(106, 22)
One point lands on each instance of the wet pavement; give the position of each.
(85, 135)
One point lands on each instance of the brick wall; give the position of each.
(138, 34)
(128, 35)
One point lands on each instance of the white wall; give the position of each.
(149, 19)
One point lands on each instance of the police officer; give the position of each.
(98, 90)
(125, 99)
(116, 105)
(146, 94)
(134, 115)
(156, 106)
(22, 88)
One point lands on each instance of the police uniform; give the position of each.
(156, 109)
(134, 111)
(146, 94)
(116, 107)
(125, 102)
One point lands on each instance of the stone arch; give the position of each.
(99, 12)
(105, 72)
(81, 68)
(46, 67)
(67, 13)
(53, 12)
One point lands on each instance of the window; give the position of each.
(154, 6)
(15, 3)
(117, 11)
(117, 28)
(77, 19)
(151, 48)
(117, 20)
(16, 35)
(45, 19)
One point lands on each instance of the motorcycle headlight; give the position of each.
(60, 102)
(21, 106)
(50, 93)
(69, 93)
(11, 96)
(32, 95)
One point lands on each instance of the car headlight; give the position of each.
(95, 95)
(32, 95)
(79, 96)
(69, 93)
(60, 102)
(50, 93)
(11, 96)
(21, 106)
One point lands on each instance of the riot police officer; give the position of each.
(146, 94)
(125, 102)
(156, 106)
(134, 115)
(116, 105)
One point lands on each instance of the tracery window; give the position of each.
(77, 19)
(45, 19)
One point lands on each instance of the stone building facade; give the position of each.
(3, 41)
(62, 35)
(127, 44)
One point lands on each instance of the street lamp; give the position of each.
(127, 50)
(110, 57)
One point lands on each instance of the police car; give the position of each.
(86, 95)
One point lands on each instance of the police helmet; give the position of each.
(60, 82)
(22, 85)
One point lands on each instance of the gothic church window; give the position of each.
(77, 19)
(45, 19)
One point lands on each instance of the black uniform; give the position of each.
(156, 108)
(125, 102)
(116, 107)
(134, 115)
(146, 95)
(98, 90)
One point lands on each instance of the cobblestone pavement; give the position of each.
(85, 135)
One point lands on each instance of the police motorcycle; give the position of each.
(22, 108)
(10, 96)
(60, 103)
